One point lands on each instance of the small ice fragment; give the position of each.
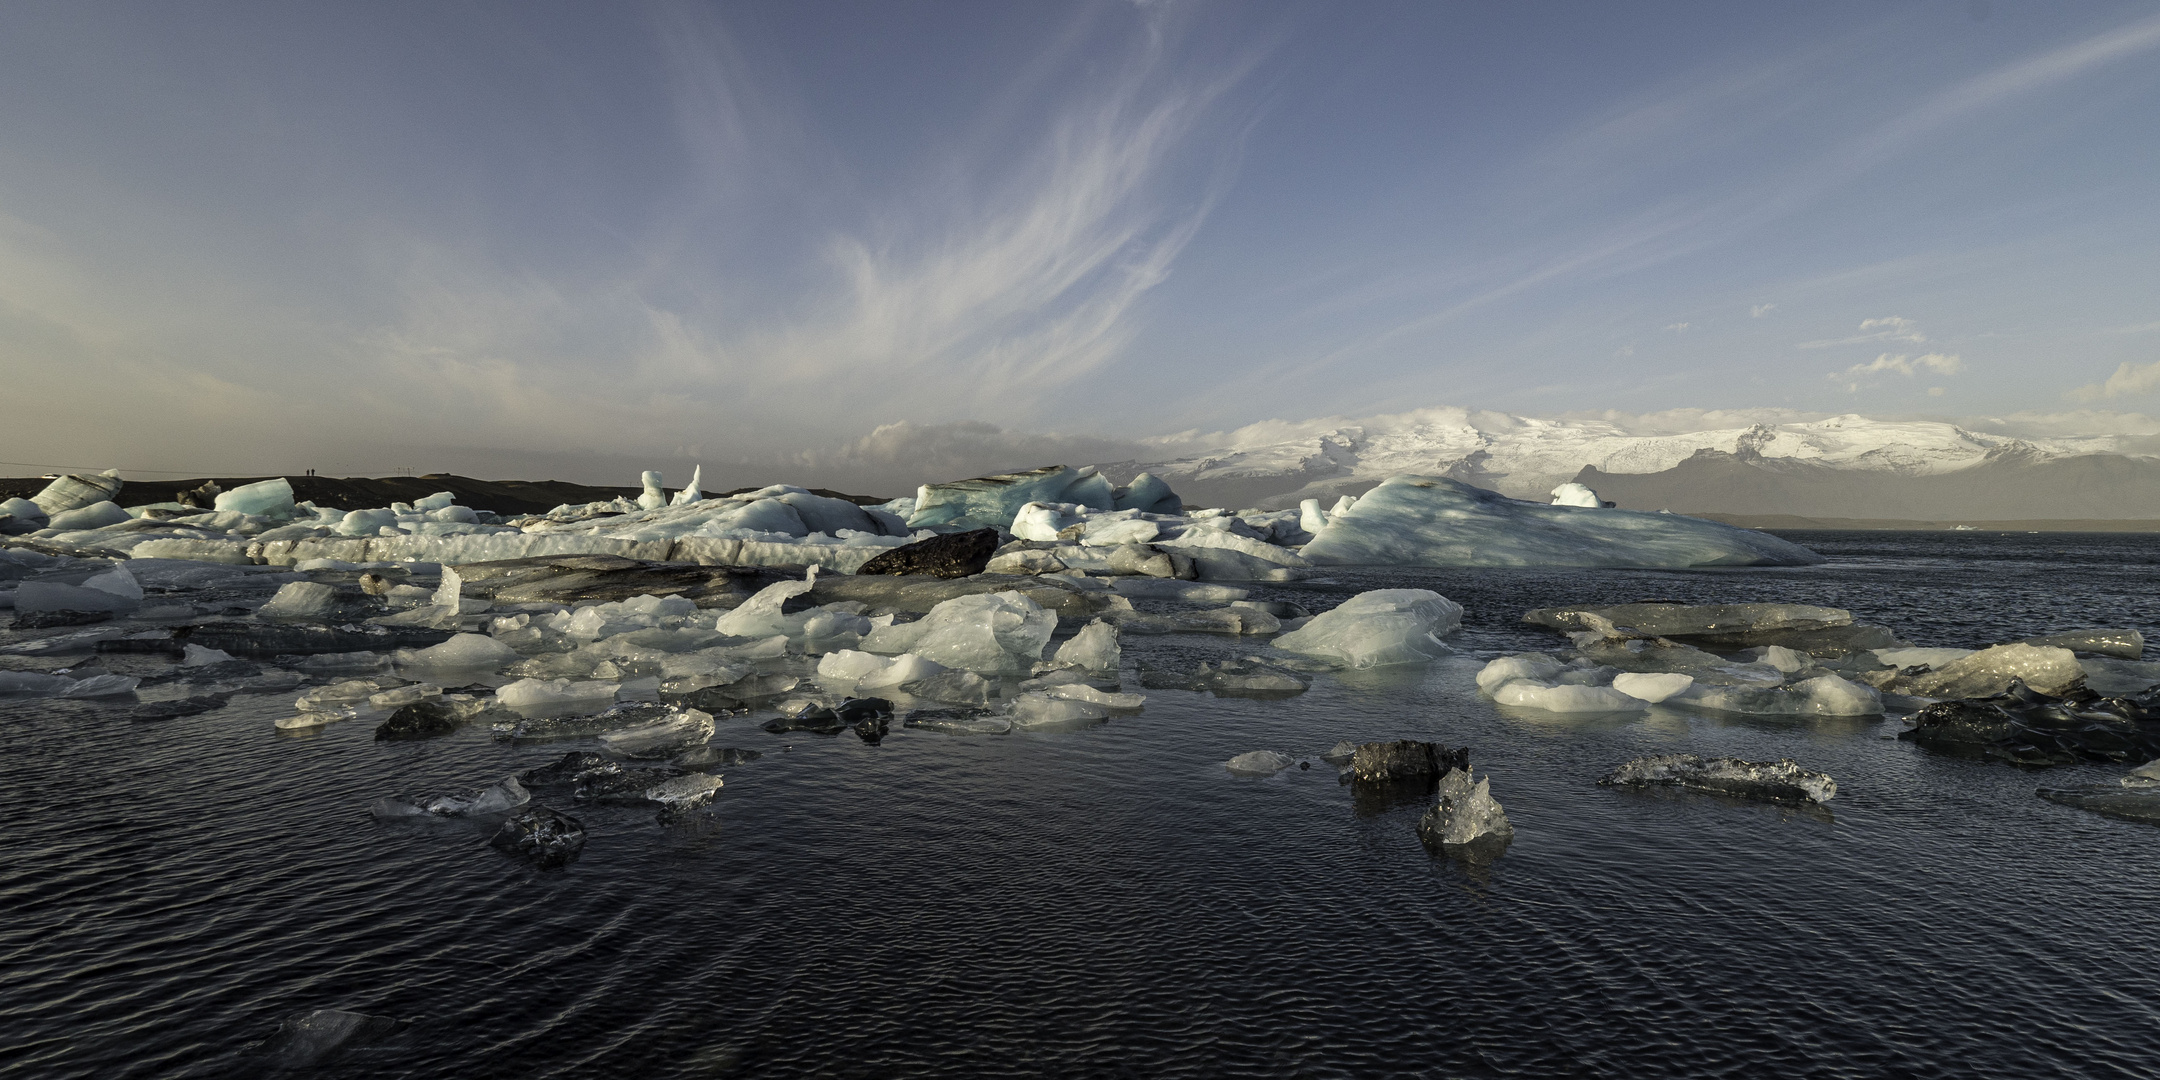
(1094, 648)
(1259, 763)
(197, 656)
(300, 600)
(1777, 781)
(1465, 813)
(1652, 688)
(1574, 494)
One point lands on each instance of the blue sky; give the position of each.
(278, 235)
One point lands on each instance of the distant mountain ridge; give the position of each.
(1847, 466)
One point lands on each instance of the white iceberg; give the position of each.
(1378, 628)
(987, 633)
(1434, 521)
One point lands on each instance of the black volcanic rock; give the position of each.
(953, 555)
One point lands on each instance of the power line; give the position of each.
(93, 468)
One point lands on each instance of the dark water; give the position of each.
(1112, 902)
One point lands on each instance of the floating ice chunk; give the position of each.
(300, 600)
(1823, 695)
(555, 697)
(1465, 814)
(53, 596)
(1221, 555)
(1259, 763)
(952, 724)
(1110, 532)
(1904, 658)
(196, 656)
(337, 695)
(2125, 644)
(1044, 521)
(849, 672)
(691, 494)
(1404, 759)
(365, 522)
(2130, 804)
(97, 515)
(267, 498)
(544, 836)
(760, 615)
(1536, 667)
(2144, 776)
(1378, 628)
(398, 697)
(1652, 687)
(439, 501)
(1084, 692)
(498, 798)
(1434, 521)
(117, 581)
(465, 651)
(1566, 697)
(1038, 711)
(1343, 753)
(676, 730)
(653, 497)
(1165, 589)
(313, 1038)
(20, 515)
(995, 500)
(1310, 517)
(2048, 670)
(1148, 494)
(1094, 648)
(986, 633)
(1574, 494)
(1777, 781)
(451, 592)
(1786, 660)
(72, 491)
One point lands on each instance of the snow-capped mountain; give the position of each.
(1273, 462)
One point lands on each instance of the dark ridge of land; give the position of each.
(362, 493)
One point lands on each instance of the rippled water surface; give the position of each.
(1112, 902)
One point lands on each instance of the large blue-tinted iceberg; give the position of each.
(1434, 521)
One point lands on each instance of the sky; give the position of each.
(555, 239)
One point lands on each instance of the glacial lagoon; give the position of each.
(1111, 900)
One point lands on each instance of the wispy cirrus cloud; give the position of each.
(1888, 328)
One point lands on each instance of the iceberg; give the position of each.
(995, 500)
(1465, 815)
(267, 498)
(1094, 649)
(987, 633)
(1038, 711)
(72, 491)
(676, 730)
(1574, 494)
(464, 651)
(546, 837)
(300, 600)
(555, 697)
(500, 797)
(97, 515)
(2048, 670)
(1434, 521)
(1777, 781)
(1379, 628)
(1260, 763)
